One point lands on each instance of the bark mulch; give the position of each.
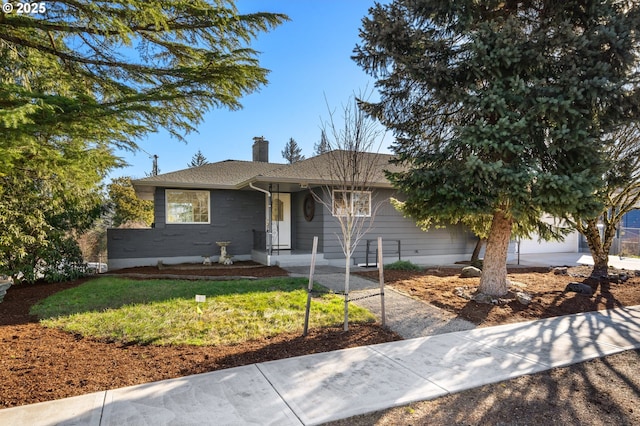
(41, 364)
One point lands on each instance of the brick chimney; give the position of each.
(260, 149)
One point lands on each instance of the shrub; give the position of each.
(60, 259)
(402, 265)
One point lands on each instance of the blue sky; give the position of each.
(309, 58)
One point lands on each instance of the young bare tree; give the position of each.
(349, 169)
(620, 195)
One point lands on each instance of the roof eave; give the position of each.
(145, 188)
(304, 183)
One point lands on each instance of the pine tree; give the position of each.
(498, 107)
(292, 152)
(323, 144)
(198, 160)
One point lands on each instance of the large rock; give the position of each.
(561, 270)
(470, 272)
(579, 288)
(523, 298)
(485, 298)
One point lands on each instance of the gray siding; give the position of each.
(304, 231)
(391, 225)
(159, 208)
(234, 215)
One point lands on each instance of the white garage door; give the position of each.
(569, 245)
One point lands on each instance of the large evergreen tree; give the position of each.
(499, 107)
(117, 70)
(81, 77)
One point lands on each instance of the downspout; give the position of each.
(269, 223)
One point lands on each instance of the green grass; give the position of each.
(164, 312)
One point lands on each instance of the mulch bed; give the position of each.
(41, 364)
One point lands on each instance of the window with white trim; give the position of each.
(356, 203)
(186, 206)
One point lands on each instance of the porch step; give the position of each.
(288, 259)
(298, 260)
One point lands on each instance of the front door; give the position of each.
(281, 221)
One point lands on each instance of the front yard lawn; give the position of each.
(164, 312)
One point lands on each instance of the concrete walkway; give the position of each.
(317, 388)
(572, 259)
(405, 315)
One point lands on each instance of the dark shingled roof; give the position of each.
(232, 174)
(226, 174)
(318, 169)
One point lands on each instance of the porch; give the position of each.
(286, 258)
(276, 255)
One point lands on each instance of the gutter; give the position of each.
(269, 223)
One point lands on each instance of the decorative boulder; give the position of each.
(579, 288)
(470, 272)
(614, 278)
(523, 298)
(485, 298)
(560, 270)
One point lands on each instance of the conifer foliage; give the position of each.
(499, 107)
(79, 78)
(292, 152)
(198, 160)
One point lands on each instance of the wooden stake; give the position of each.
(381, 277)
(310, 288)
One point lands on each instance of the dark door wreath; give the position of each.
(309, 207)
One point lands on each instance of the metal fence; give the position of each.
(625, 243)
(628, 242)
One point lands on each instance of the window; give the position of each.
(357, 203)
(187, 206)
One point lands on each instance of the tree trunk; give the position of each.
(598, 247)
(494, 272)
(600, 264)
(476, 250)
(347, 275)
